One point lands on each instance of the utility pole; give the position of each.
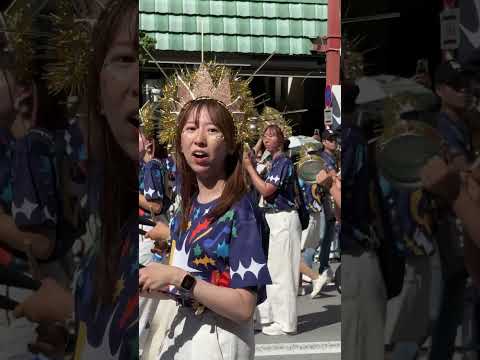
(331, 45)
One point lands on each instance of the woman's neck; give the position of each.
(276, 154)
(210, 189)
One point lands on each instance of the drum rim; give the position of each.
(389, 136)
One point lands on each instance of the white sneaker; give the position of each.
(318, 284)
(273, 330)
(330, 275)
(306, 278)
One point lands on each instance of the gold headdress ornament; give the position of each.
(62, 45)
(213, 81)
(19, 22)
(271, 116)
(148, 119)
(353, 64)
(69, 45)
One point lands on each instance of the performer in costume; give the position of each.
(105, 299)
(218, 269)
(278, 314)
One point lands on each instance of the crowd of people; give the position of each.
(221, 232)
(68, 228)
(410, 253)
(231, 256)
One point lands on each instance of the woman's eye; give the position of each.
(213, 130)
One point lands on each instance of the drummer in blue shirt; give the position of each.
(328, 154)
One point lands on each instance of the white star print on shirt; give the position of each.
(254, 268)
(275, 179)
(26, 209)
(149, 192)
(48, 216)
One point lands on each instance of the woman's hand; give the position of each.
(160, 232)
(324, 179)
(156, 276)
(50, 303)
(441, 180)
(247, 160)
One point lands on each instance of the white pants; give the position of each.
(283, 263)
(364, 301)
(207, 336)
(150, 326)
(311, 235)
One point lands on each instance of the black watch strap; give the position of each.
(188, 283)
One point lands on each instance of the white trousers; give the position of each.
(207, 336)
(311, 235)
(283, 264)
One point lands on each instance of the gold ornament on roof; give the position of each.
(212, 81)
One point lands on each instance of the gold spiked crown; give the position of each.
(271, 116)
(212, 81)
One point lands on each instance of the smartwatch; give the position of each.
(188, 283)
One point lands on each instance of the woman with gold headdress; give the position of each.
(218, 271)
(278, 314)
(104, 302)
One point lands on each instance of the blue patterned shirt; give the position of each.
(282, 176)
(227, 252)
(313, 196)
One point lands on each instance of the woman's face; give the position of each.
(330, 144)
(204, 146)
(271, 141)
(119, 87)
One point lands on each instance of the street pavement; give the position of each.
(319, 332)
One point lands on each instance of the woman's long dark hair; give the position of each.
(235, 186)
(118, 200)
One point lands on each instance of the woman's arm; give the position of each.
(42, 242)
(235, 304)
(336, 192)
(155, 206)
(265, 189)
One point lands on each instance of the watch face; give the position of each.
(188, 282)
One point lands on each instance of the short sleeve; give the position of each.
(280, 172)
(34, 187)
(248, 263)
(153, 182)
